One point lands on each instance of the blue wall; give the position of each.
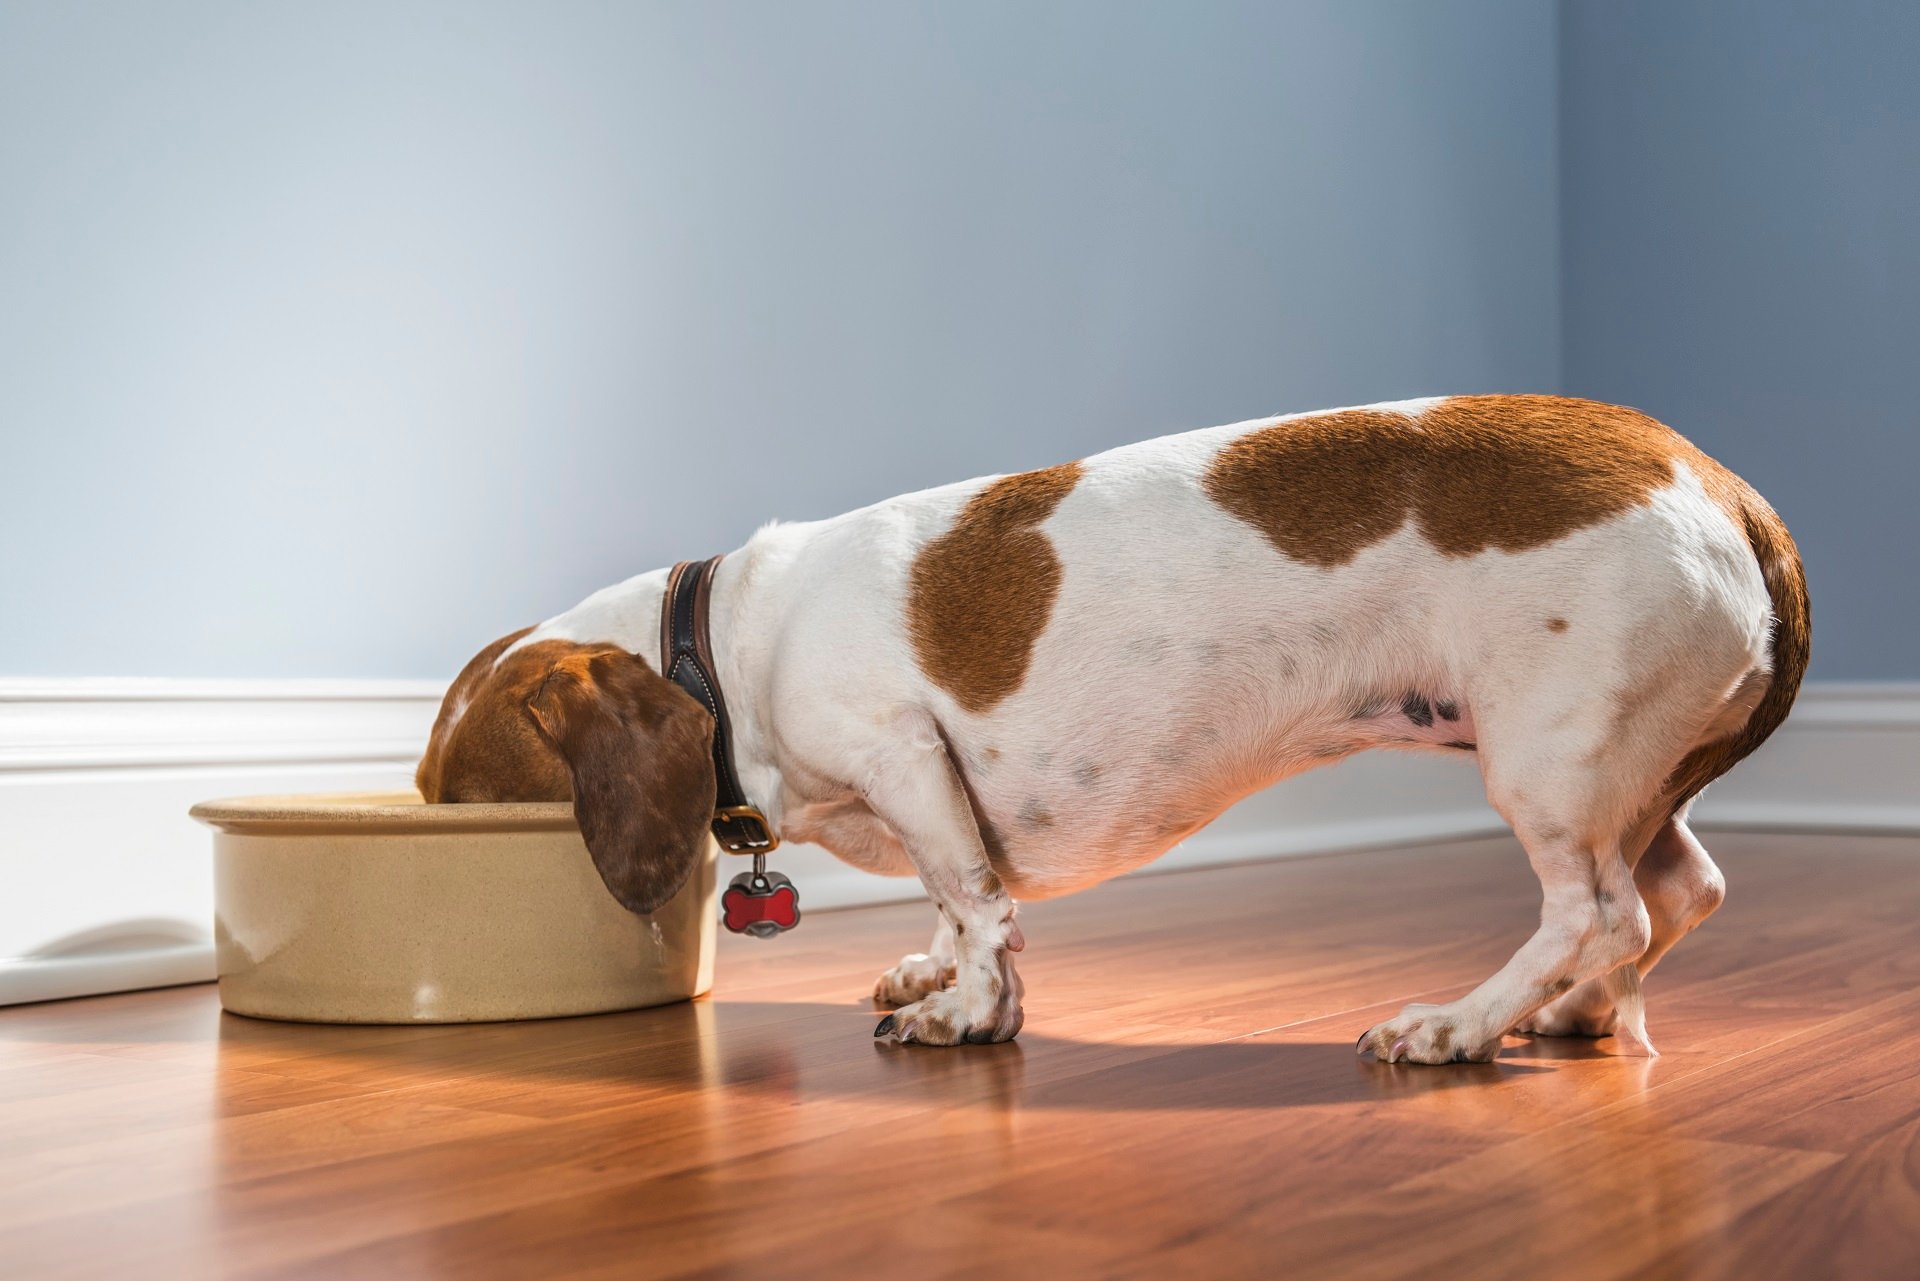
(338, 339)
(1741, 257)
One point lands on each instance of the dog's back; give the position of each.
(1119, 648)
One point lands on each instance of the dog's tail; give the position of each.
(1792, 640)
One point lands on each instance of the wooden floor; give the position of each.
(1184, 1101)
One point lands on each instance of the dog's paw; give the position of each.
(1429, 1034)
(1585, 1011)
(917, 976)
(942, 1018)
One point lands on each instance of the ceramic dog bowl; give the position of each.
(377, 908)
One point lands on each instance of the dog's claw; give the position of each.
(1399, 1048)
(885, 1028)
(1360, 1046)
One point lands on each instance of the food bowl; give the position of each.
(378, 908)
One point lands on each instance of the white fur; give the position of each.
(1185, 664)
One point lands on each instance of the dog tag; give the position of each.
(760, 903)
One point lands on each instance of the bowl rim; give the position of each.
(368, 812)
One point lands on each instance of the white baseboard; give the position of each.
(1848, 759)
(109, 884)
(54, 978)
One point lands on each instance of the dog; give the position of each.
(1019, 686)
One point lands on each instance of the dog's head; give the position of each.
(562, 721)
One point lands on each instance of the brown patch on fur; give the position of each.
(1473, 473)
(980, 594)
(591, 724)
(1035, 815)
(1443, 1039)
(935, 1028)
(1505, 472)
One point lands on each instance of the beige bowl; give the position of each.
(377, 908)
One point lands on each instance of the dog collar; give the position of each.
(686, 656)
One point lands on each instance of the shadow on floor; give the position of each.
(794, 1052)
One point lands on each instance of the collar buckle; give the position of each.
(742, 829)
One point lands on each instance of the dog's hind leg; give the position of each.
(1676, 879)
(1681, 887)
(1580, 736)
(1577, 767)
(1591, 920)
(920, 973)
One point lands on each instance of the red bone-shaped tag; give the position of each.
(760, 904)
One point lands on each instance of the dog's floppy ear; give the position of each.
(640, 751)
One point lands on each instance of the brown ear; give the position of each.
(640, 751)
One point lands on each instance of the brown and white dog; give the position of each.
(1020, 686)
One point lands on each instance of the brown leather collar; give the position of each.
(686, 656)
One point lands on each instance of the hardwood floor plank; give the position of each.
(1835, 1088)
(117, 1172)
(140, 1104)
(1859, 1219)
(1595, 1202)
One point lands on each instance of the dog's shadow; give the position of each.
(797, 1051)
(788, 1051)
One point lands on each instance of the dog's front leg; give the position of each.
(920, 973)
(915, 791)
